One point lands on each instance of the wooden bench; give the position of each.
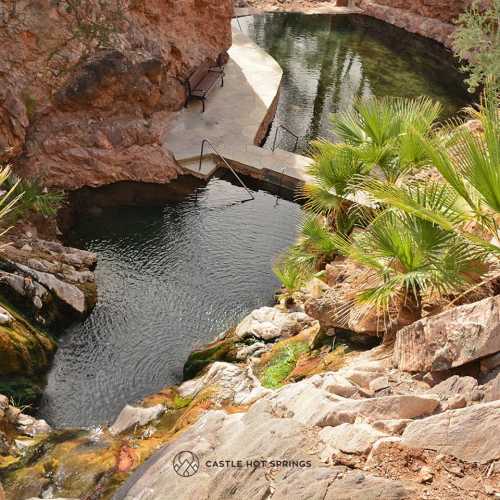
(202, 80)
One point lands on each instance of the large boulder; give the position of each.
(351, 438)
(452, 338)
(131, 416)
(468, 433)
(233, 383)
(310, 405)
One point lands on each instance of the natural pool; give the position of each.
(328, 61)
(170, 278)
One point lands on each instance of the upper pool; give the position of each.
(328, 61)
(172, 277)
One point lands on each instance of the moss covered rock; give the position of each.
(24, 350)
(220, 350)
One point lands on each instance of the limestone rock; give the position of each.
(132, 415)
(232, 383)
(351, 438)
(312, 406)
(465, 433)
(450, 339)
(455, 386)
(268, 323)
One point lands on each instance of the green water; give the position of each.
(329, 61)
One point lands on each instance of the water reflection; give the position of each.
(328, 61)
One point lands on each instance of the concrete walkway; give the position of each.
(326, 8)
(236, 119)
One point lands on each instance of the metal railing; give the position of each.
(286, 129)
(206, 141)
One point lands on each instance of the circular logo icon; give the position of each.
(186, 464)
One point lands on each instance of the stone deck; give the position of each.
(236, 119)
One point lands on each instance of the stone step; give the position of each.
(209, 166)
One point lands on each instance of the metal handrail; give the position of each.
(286, 129)
(206, 141)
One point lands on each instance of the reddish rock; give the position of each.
(90, 111)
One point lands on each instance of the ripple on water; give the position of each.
(169, 279)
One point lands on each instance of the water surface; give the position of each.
(169, 279)
(328, 61)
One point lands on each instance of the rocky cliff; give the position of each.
(86, 87)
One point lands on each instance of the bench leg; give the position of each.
(222, 81)
(203, 104)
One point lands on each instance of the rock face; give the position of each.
(466, 433)
(254, 436)
(57, 282)
(432, 19)
(87, 88)
(450, 339)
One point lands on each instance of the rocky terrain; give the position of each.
(87, 87)
(295, 413)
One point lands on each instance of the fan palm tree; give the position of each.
(408, 259)
(469, 163)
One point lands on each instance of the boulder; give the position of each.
(391, 426)
(335, 383)
(131, 416)
(312, 406)
(269, 323)
(234, 453)
(455, 386)
(492, 390)
(232, 382)
(468, 433)
(452, 338)
(30, 426)
(351, 438)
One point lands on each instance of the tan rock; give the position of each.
(351, 438)
(466, 433)
(391, 426)
(312, 406)
(455, 386)
(270, 323)
(131, 416)
(450, 339)
(492, 390)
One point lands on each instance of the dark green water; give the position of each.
(328, 61)
(170, 278)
